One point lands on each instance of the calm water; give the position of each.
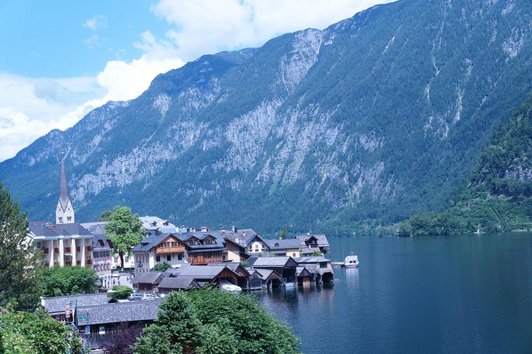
(468, 294)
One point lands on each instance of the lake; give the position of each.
(463, 294)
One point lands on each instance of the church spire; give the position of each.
(65, 212)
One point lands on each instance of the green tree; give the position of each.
(124, 230)
(105, 215)
(59, 281)
(18, 261)
(121, 292)
(161, 267)
(210, 321)
(25, 333)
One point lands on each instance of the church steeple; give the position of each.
(65, 212)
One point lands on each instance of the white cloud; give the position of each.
(205, 26)
(95, 23)
(30, 108)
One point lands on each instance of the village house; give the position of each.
(159, 249)
(310, 244)
(284, 266)
(155, 226)
(320, 269)
(182, 283)
(102, 252)
(284, 247)
(62, 308)
(98, 324)
(147, 282)
(240, 244)
(204, 247)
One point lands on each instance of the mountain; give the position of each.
(377, 117)
(498, 194)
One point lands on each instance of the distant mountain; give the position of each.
(378, 117)
(498, 195)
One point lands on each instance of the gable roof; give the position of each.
(148, 278)
(179, 283)
(202, 272)
(283, 244)
(118, 312)
(314, 259)
(57, 304)
(241, 237)
(150, 242)
(320, 238)
(267, 274)
(266, 262)
(302, 272)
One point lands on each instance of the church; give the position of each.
(67, 243)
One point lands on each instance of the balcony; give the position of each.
(170, 250)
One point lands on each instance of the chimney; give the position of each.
(234, 228)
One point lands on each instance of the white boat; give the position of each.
(227, 286)
(351, 262)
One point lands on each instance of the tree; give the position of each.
(121, 292)
(18, 261)
(105, 215)
(59, 281)
(24, 332)
(161, 267)
(210, 321)
(124, 230)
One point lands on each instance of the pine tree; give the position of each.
(18, 262)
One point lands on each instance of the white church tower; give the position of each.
(65, 212)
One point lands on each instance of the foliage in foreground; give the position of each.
(59, 281)
(28, 333)
(211, 321)
(18, 266)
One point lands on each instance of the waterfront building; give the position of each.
(309, 244)
(287, 247)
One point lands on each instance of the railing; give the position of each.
(166, 250)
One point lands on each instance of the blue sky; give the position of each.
(62, 58)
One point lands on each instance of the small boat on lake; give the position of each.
(351, 261)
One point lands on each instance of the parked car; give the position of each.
(135, 296)
(148, 297)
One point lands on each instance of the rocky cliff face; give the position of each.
(376, 117)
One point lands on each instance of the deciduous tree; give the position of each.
(124, 230)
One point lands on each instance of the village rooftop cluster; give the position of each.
(233, 260)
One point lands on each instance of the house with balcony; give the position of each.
(62, 245)
(204, 247)
(155, 250)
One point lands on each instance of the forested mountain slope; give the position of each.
(377, 117)
(498, 195)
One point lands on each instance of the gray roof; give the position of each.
(266, 273)
(148, 243)
(321, 239)
(95, 228)
(315, 259)
(200, 272)
(231, 265)
(118, 312)
(180, 282)
(266, 262)
(43, 229)
(219, 241)
(241, 237)
(302, 271)
(148, 278)
(283, 244)
(57, 304)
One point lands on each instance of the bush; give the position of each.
(121, 292)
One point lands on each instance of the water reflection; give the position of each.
(351, 278)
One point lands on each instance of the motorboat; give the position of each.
(351, 261)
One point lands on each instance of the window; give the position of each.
(169, 257)
(69, 218)
(157, 258)
(60, 219)
(101, 331)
